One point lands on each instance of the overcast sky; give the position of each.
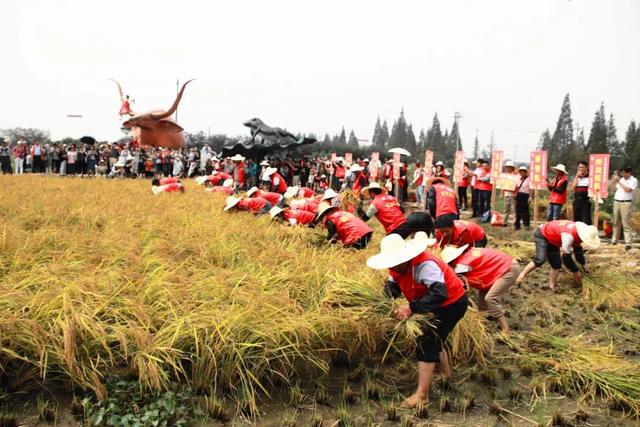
(318, 66)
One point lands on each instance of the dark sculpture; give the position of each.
(156, 128)
(265, 139)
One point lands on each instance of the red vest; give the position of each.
(464, 233)
(239, 171)
(552, 231)
(349, 227)
(272, 198)
(558, 198)
(170, 180)
(306, 192)
(483, 186)
(389, 213)
(413, 291)
(464, 182)
(360, 176)
(253, 204)
(221, 189)
(219, 178)
(445, 200)
(487, 266)
(305, 205)
(340, 172)
(282, 185)
(172, 187)
(301, 217)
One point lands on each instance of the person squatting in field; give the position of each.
(343, 226)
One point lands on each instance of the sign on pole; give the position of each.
(538, 170)
(598, 180)
(428, 164)
(396, 173)
(348, 159)
(373, 166)
(458, 167)
(497, 157)
(507, 181)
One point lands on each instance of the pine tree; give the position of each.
(327, 140)
(476, 148)
(353, 141)
(411, 144)
(342, 139)
(435, 139)
(632, 147)
(377, 135)
(545, 141)
(422, 141)
(384, 136)
(613, 144)
(597, 143)
(456, 141)
(562, 139)
(398, 136)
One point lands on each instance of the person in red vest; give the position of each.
(484, 187)
(489, 271)
(168, 180)
(558, 192)
(296, 191)
(459, 233)
(344, 226)
(158, 187)
(359, 178)
(340, 172)
(430, 286)
(238, 171)
(463, 201)
(226, 188)
(256, 205)
(440, 171)
(276, 182)
(556, 241)
(217, 178)
(388, 211)
(441, 199)
(274, 199)
(293, 216)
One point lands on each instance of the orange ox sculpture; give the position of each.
(156, 128)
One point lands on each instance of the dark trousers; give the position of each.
(522, 210)
(430, 343)
(416, 221)
(463, 203)
(475, 201)
(361, 243)
(582, 208)
(37, 165)
(484, 202)
(555, 210)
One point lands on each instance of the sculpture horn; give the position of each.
(171, 110)
(119, 87)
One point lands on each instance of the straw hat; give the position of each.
(328, 194)
(589, 235)
(119, 164)
(251, 191)
(157, 189)
(560, 167)
(275, 211)
(269, 171)
(365, 190)
(264, 163)
(438, 179)
(439, 163)
(356, 168)
(231, 202)
(394, 250)
(228, 183)
(450, 252)
(291, 192)
(323, 209)
(201, 180)
(237, 158)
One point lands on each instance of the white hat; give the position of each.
(339, 159)
(589, 235)
(509, 163)
(130, 157)
(237, 158)
(231, 202)
(264, 163)
(355, 168)
(200, 180)
(228, 183)
(324, 208)
(328, 194)
(560, 167)
(365, 190)
(251, 191)
(157, 189)
(439, 163)
(451, 252)
(275, 211)
(269, 171)
(291, 191)
(119, 164)
(523, 168)
(394, 250)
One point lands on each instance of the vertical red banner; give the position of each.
(348, 158)
(458, 166)
(396, 166)
(538, 169)
(428, 165)
(373, 166)
(599, 175)
(334, 156)
(497, 158)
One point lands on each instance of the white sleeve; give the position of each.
(567, 243)
(427, 273)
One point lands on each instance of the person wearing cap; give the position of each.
(293, 216)
(226, 188)
(430, 286)
(276, 182)
(339, 174)
(274, 199)
(556, 241)
(623, 206)
(523, 190)
(580, 190)
(463, 201)
(475, 192)
(558, 192)
(509, 196)
(256, 205)
(302, 192)
(344, 226)
(330, 197)
(441, 199)
(440, 171)
(238, 171)
(171, 186)
(490, 271)
(459, 233)
(358, 178)
(310, 205)
(419, 183)
(388, 211)
(484, 186)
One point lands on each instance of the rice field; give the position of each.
(265, 324)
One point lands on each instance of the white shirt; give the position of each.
(622, 195)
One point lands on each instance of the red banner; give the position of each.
(373, 166)
(599, 175)
(348, 159)
(538, 169)
(428, 165)
(497, 157)
(396, 166)
(458, 166)
(334, 156)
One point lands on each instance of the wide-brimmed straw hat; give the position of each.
(275, 211)
(291, 192)
(251, 191)
(237, 158)
(231, 202)
(438, 179)
(269, 171)
(394, 250)
(328, 194)
(228, 183)
(589, 235)
(451, 252)
(200, 180)
(372, 185)
(323, 209)
(356, 168)
(560, 167)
